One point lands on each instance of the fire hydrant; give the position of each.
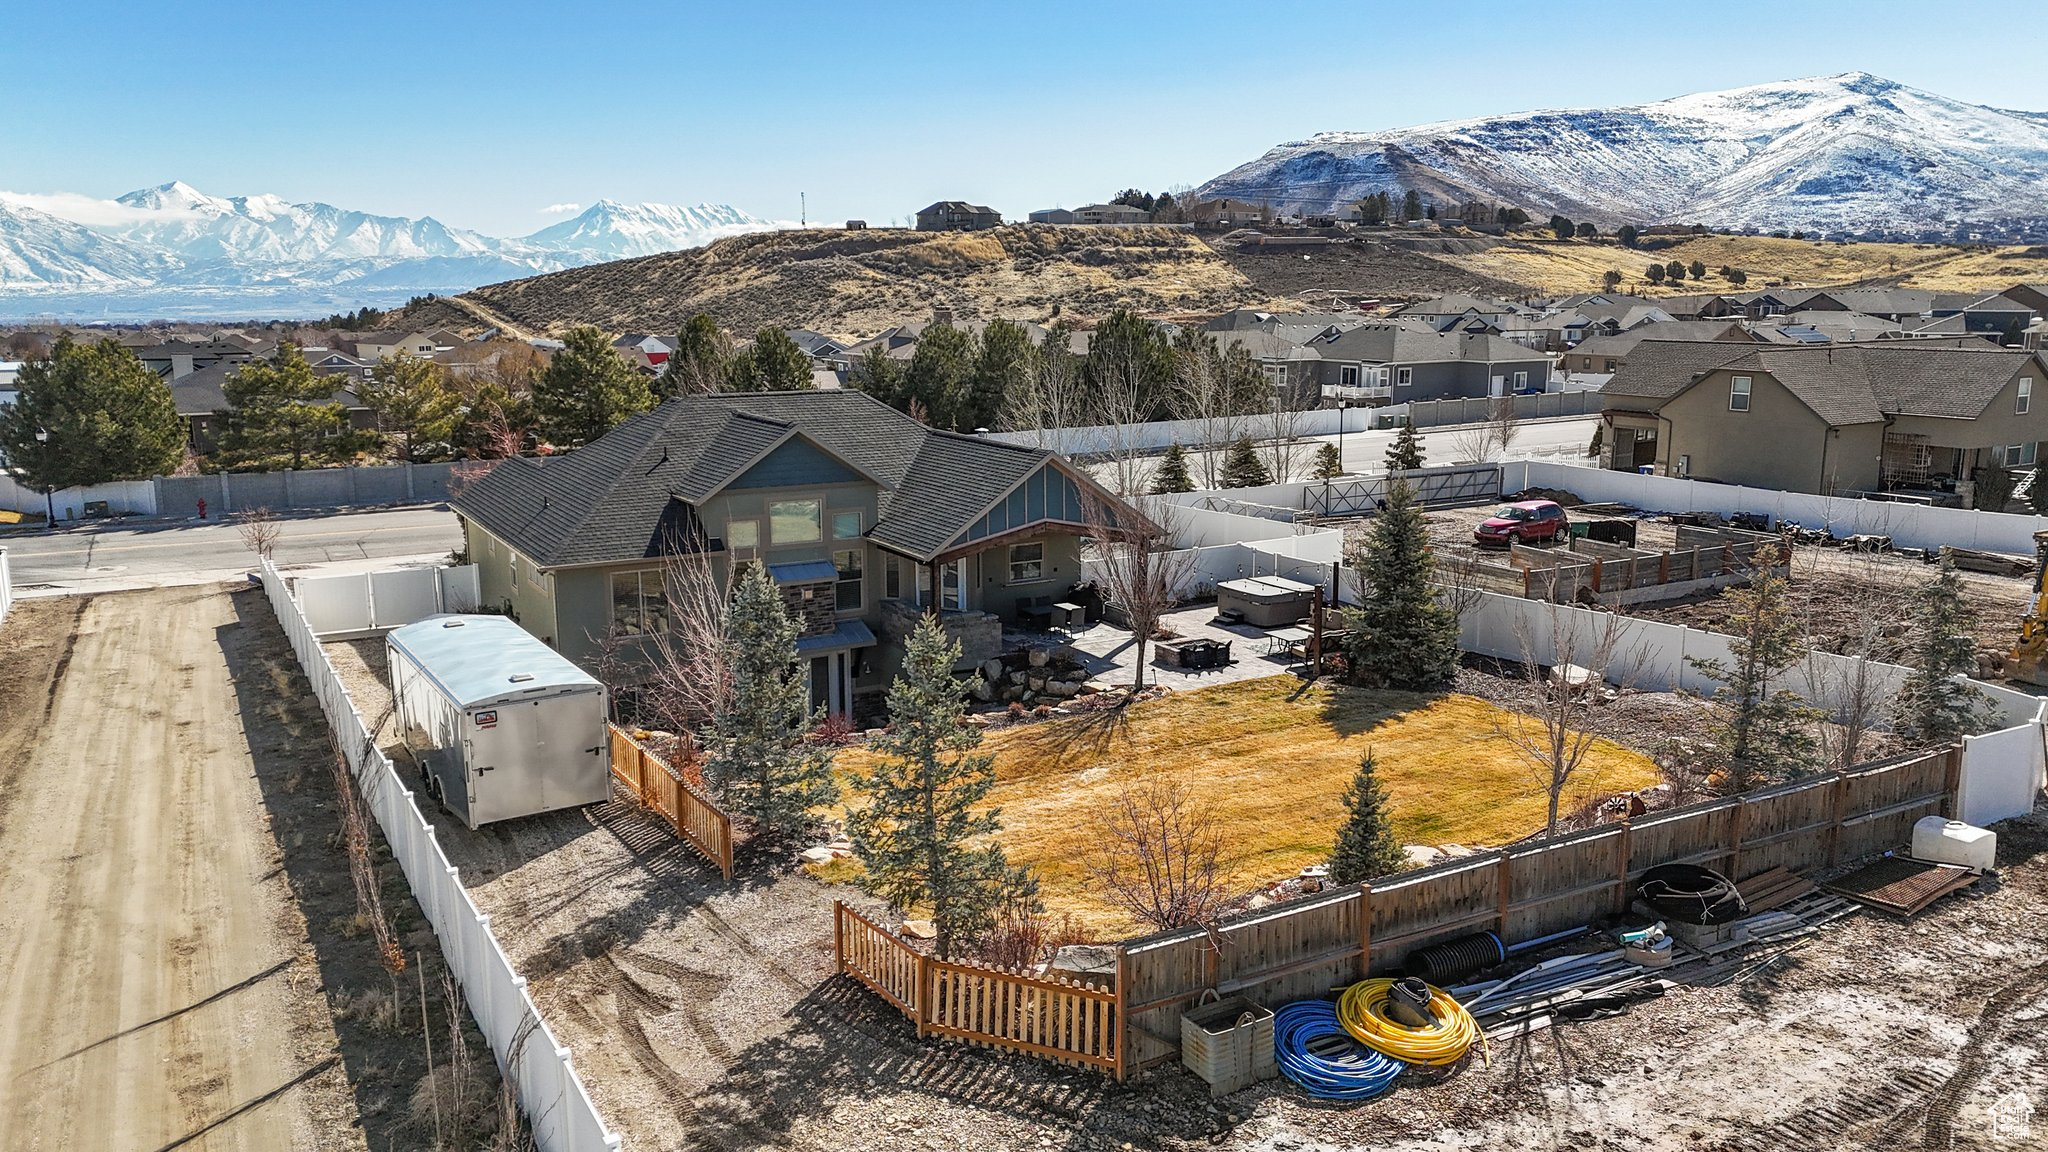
(202, 509)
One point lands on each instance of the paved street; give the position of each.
(163, 555)
(1365, 452)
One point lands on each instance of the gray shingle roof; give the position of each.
(1846, 384)
(628, 495)
(1622, 343)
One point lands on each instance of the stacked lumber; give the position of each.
(1996, 563)
(1773, 889)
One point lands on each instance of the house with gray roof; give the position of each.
(202, 399)
(1893, 415)
(1395, 361)
(957, 216)
(865, 519)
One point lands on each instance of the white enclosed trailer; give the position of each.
(500, 724)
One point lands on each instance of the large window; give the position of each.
(743, 538)
(638, 607)
(795, 522)
(2026, 398)
(1027, 563)
(2019, 455)
(848, 590)
(1738, 394)
(846, 525)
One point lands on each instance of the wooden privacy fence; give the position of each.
(695, 819)
(1612, 570)
(1306, 947)
(1041, 1016)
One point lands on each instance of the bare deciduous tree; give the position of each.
(259, 530)
(1281, 425)
(1215, 390)
(1141, 576)
(689, 668)
(1051, 395)
(1567, 712)
(1160, 855)
(1490, 438)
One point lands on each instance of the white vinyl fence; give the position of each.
(550, 1093)
(373, 603)
(122, 497)
(6, 585)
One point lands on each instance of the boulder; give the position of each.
(1064, 689)
(1086, 963)
(982, 690)
(1421, 855)
(1038, 657)
(993, 670)
(918, 930)
(818, 855)
(1261, 900)
(1017, 677)
(1036, 683)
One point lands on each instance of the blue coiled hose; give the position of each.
(1315, 1052)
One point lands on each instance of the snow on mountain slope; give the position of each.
(609, 230)
(1852, 153)
(154, 243)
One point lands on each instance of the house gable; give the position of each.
(795, 462)
(1048, 494)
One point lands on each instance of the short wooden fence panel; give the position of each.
(691, 815)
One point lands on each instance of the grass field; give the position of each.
(1273, 761)
(1563, 267)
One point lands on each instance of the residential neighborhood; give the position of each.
(1462, 629)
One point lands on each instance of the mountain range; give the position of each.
(173, 250)
(1849, 155)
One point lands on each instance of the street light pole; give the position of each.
(1342, 406)
(49, 502)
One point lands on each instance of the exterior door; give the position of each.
(1498, 386)
(953, 586)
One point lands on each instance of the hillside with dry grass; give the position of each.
(857, 282)
(1560, 267)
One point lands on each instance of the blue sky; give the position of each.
(485, 114)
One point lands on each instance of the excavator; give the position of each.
(2028, 662)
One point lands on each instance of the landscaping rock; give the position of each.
(917, 930)
(1454, 851)
(1088, 963)
(1259, 900)
(1036, 683)
(1063, 689)
(1016, 677)
(982, 690)
(1038, 657)
(1421, 855)
(993, 670)
(818, 855)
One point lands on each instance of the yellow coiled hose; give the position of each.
(1362, 1009)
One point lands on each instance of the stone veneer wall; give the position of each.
(818, 616)
(979, 634)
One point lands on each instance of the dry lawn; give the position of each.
(1559, 267)
(1272, 761)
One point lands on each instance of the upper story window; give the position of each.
(1404, 376)
(1348, 375)
(795, 522)
(847, 592)
(743, 538)
(1738, 394)
(846, 525)
(2026, 397)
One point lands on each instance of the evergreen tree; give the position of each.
(1125, 351)
(938, 374)
(1737, 277)
(496, 422)
(411, 397)
(1933, 707)
(1172, 473)
(1627, 235)
(775, 364)
(920, 837)
(1697, 269)
(1366, 848)
(1655, 272)
(1002, 365)
(1329, 465)
(107, 418)
(280, 415)
(1674, 271)
(1401, 635)
(1242, 467)
(1563, 228)
(1411, 206)
(1404, 453)
(1610, 280)
(760, 755)
(698, 364)
(1765, 736)
(881, 376)
(1588, 230)
(587, 389)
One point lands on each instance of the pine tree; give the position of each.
(1401, 635)
(759, 753)
(939, 370)
(920, 838)
(1002, 365)
(881, 377)
(411, 397)
(1366, 848)
(107, 417)
(1411, 205)
(587, 389)
(699, 362)
(1697, 269)
(1404, 454)
(280, 414)
(774, 363)
(1933, 707)
(1765, 736)
(1329, 465)
(1172, 473)
(1242, 467)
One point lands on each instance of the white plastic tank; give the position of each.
(1944, 841)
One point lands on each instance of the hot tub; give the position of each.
(1266, 601)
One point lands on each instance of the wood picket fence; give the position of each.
(693, 816)
(1044, 1016)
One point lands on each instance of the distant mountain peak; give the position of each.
(1847, 154)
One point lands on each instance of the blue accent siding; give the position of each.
(1047, 494)
(798, 463)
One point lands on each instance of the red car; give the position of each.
(1526, 521)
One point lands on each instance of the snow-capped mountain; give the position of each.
(610, 230)
(1850, 154)
(174, 250)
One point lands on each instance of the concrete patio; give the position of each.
(1109, 653)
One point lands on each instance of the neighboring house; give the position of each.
(1394, 362)
(1110, 214)
(863, 517)
(10, 372)
(957, 216)
(1891, 415)
(647, 354)
(375, 346)
(827, 353)
(201, 398)
(176, 359)
(1052, 216)
(1604, 355)
(2034, 296)
(1228, 213)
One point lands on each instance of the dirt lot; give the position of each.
(158, 983)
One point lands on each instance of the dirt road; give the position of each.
(157, 987)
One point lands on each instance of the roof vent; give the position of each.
(521, 677)
(451, 623)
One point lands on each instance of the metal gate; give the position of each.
(1438, 487)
